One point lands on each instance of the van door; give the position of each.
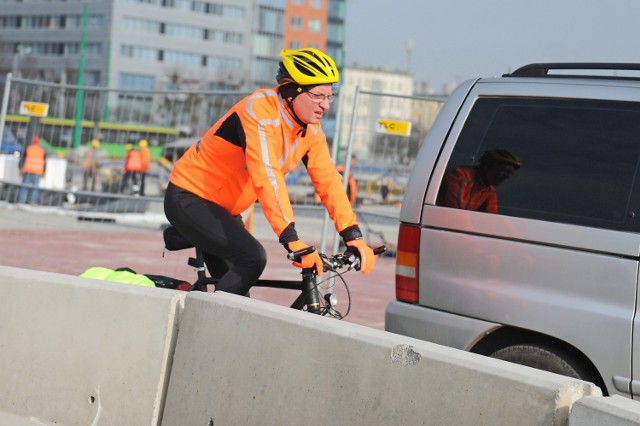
(553, 247)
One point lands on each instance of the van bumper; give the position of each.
(435, 326)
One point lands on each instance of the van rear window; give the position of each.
(561, 160)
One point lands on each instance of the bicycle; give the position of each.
(309, 287)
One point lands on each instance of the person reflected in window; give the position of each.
(474, 187)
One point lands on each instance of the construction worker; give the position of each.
(244, 157)
(132, 168)
(352, 186)
(145, 154)
(91, 165)
(33, 165)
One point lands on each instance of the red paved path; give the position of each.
(72, 251)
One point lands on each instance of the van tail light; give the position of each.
(407, 263)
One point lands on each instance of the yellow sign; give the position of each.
(38, 109)
(393, 127)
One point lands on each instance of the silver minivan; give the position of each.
(520, 226)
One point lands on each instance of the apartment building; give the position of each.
(161, 44)
(372, 107)
(134, 44)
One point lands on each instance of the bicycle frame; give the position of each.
(309, 294)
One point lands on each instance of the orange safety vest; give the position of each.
(246, 154)
(34, 160)
(133, 162)
(146, 158)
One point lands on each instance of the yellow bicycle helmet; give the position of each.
(306, 67)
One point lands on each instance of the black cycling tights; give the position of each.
(230, 252)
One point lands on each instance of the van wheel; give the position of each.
(544, 358)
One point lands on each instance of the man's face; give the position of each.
(310, 106)
(498, 173)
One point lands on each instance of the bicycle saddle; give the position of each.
(174, 241)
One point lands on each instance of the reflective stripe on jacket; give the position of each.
(246, 155)
(133, 162)
(34, 160)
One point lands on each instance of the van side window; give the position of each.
(569, 161)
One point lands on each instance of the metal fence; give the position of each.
(382, 131)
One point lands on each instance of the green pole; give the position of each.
(77, 131)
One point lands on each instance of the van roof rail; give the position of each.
(542, 69)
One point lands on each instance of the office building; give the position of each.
(163, 44)
(144, 44)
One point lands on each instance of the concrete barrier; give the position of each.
(613, 411)
(244, 362)
(75, 351)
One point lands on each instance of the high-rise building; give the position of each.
(306, 24)
(145, 44)
(318, 24)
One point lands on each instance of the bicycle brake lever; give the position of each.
(355, 264)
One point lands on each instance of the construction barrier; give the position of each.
(77, 351)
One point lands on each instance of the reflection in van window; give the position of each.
(580, 157)
(474, 188)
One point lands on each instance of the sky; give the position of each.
(454, 40)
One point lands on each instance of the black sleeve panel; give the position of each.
(231, 130)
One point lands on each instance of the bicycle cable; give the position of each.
(328, 308)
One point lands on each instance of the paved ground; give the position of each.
(50, 240)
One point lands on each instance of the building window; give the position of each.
(92, 78)
(10, 22)
(295, 44)
(139, 52)
(315, 26)
(135, 82)
(152, 2)
(316, 4)
(182, 58)
(184, 31)
(93, 21)
(142, 25)
(227, 11)
(296, 23)
(222, 62)
(222, 37)
(271, 21)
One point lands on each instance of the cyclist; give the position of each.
(244, 157)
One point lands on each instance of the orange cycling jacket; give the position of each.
(245, 156)
(465, 191)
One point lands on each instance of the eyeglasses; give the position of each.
(318, 98)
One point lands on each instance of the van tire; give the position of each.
(544, 358)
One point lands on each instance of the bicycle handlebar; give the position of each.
(296, 255)
(336, 261)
